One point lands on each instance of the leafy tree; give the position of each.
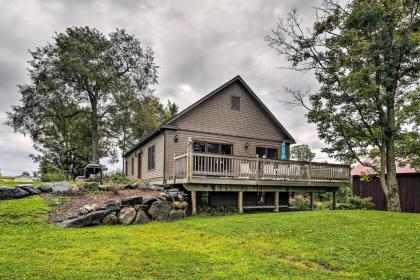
(365, 56)
(95, 71)
(25, 173)
(138, 118)
(172, 109)
(85, 91)
(302, 153)
(55, 123)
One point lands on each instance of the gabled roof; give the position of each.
(239, 79)
(360, 169)
(220, 89)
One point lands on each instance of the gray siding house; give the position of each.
(229, 149)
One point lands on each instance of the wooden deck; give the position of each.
(214, 169)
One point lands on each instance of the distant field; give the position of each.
(13, 183)
(303, 245)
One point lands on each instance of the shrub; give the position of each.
(300, 202)
(53, 176)
(59, 200)
(217, 210)
(323, 205)
(116, 177)
(362, 203)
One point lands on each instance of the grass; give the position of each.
(294, 245)
(13, 183)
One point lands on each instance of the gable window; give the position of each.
(212, 147)
(132, 166)
(235, 103)
(269, 153)
(151, 157)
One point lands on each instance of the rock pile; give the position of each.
(20, 191)
(170, 205)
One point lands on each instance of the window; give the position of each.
(213, 148)
(226, 149)
(269, 153)
(199, 147)
(151, 157)
(235, 102)
(132, 166)
(126, 168)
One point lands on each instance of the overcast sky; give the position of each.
(198, 45)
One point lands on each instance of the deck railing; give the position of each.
(236, 167)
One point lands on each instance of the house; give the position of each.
(229, 149)
(408, 187)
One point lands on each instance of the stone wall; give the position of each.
(170, 205)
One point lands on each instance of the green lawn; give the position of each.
(298, 245)
(13, 183)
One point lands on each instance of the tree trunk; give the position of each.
(393, 197)
(94, 134)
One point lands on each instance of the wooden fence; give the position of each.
(409, 191)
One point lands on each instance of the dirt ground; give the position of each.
(65, 207)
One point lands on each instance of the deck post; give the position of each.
(311, 200)
(174, 169)
(189, 161)
(240, 202)
(257, 168)
(309, 171)
(334, 201)
(194, 202)
(276, 202)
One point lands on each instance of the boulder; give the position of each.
(156, 188)
(180, 205)
(88, 208)
(127, 215)
(142, 187)
(12, 193)
(160, 210)
(161, 198)
(128, 187)
(143, 207)
(133, 200)
(91, 219)
(148, 200)
(141, 217)
(110, 219)
(176, 215)
(105, 188)
(29, 188)
(110, 205)
(45, 188)
(62, 188)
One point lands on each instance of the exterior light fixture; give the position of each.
(246, 146)
(176, 138)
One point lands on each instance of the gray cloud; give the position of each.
(198, 45)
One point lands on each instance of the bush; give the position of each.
(53, 176)
(59, 200)
(323, 205)
(300, 202)
(362, 203)
(356, 202)
(217, 211)
(116, 177)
